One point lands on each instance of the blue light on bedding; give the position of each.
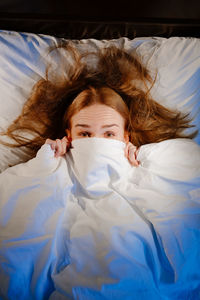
(72, 228)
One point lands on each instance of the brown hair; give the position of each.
(47, 112)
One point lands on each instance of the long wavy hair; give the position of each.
(44, 113)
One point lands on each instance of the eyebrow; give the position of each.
(87, 126)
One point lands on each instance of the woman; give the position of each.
(96, 112)
(89, 225)
(118, 77)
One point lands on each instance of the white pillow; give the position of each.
(22, 64)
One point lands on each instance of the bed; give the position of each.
(65, 235)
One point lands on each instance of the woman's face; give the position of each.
(98, 120)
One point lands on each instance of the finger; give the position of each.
(134, 162)
(128, 146)
(47, 141)
(69, 140)
(52, 143)
(132, 155)
(58, 148)
(64, 143)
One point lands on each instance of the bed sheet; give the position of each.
(23, 58)
(72, 228)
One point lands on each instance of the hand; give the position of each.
(60, 147)
(131, 152)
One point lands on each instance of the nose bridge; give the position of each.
(97, 130)
(98, 134)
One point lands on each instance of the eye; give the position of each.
(84, 134)
(109, 133)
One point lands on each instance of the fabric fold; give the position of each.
(89, 225)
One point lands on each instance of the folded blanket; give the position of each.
(91, 226)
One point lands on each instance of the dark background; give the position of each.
(102, 19)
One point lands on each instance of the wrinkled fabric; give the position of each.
(91, 226)
(173, 63)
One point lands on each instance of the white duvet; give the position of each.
(91, 226)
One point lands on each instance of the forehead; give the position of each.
(97, 113)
